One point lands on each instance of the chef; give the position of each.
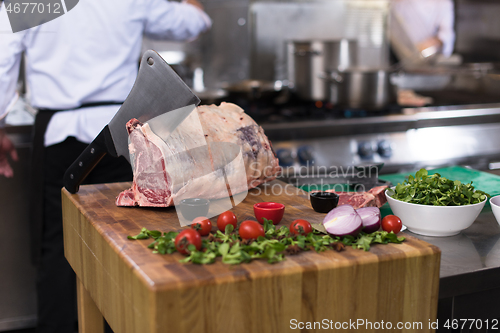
(422, 28)
(80, 68)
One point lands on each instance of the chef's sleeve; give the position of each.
(11, 46)
(446, 32)
(175, 21)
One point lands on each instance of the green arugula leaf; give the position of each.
(224, 249)
(229, 229)
(235, 248)
(269, 227)
(363, 242)
(154, 234)
(145, 234)
(435, 190)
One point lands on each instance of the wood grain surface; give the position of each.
(138, 291)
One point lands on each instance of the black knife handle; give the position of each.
(86, 162)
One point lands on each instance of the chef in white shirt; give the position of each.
(425, 26)
(79, 68)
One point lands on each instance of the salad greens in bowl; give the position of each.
(433, 205)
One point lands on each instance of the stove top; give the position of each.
(291, 109)
(296, 110)
(308, 137)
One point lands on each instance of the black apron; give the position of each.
(42, 120)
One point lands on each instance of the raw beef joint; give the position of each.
(199, 159)
(375, 197)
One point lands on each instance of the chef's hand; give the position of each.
(6, 149)
(430, 47)
(195, 3)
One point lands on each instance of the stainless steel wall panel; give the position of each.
(225, 50)
(478, 30)
(248, 38)
(276, 23)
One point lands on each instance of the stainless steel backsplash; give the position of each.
(273, 24)
(478, 30)
(248, 38)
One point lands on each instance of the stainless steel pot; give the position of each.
(360, 88)
(255, 89)
(307, 59)
(211, 96)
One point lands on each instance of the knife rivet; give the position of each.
(80, 163)
(71, 176)
(91, 150)
(150, 61)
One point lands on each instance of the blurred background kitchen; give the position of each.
(334, 83)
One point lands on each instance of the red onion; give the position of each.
(342, 221)
(370, 217)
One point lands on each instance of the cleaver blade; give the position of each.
(156, 91)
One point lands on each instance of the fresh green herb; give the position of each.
(164, 244)
(145, 234)
(273, 248)
(434, 190)
(363, 241)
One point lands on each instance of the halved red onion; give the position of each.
(370, 217)
(343, 220)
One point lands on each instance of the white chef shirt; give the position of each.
(423, 19)
(90, 54)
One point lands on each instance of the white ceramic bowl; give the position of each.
(495, 207)
(435, 220)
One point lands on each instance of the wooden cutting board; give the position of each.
(138, 291)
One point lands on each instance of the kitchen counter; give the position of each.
(139, 291)
(469, 285)
(470, 261)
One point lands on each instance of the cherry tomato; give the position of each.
(226, 218)
(202, 225)
(392, 223)
(300, 227)
(251, 230)
(186, 237)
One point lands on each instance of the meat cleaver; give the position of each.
(156, 91)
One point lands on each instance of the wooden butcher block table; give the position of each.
(139, 291)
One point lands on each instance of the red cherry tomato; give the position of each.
(392, 223)
(202, 225)
(186, 237)
(226, 218)
(300, 227)
(251, 230)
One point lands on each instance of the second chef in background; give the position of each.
(420, 29)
